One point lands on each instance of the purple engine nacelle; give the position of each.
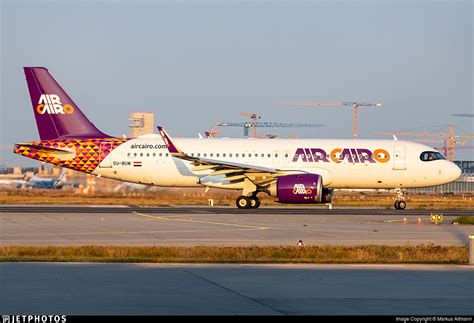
(299, 188)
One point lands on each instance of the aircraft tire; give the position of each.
(243, 202)
(254, 203)
(402, 205)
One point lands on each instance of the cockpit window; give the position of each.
(430, 155)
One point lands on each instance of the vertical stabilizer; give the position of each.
(56, 114)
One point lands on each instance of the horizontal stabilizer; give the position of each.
(60, 153)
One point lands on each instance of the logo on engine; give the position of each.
(301, 189)
(51, 104)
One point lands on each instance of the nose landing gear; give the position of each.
(400, 204)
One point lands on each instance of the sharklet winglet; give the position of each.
(169, 144)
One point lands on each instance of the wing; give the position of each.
(229, 171)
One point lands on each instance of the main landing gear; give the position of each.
(248, 202)
(400, 204)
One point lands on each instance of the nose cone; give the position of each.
(453, 172)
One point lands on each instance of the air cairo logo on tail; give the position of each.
(51, 104)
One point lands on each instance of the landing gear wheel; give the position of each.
(402, 205)
(243, 202)
(254, 202)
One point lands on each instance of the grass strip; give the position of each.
(464, 220)
(423, 254)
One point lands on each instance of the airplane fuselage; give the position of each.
(376, 164)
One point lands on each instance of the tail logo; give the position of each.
(51, 104)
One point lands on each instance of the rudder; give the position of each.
(55, 113)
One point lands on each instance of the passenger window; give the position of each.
(166, 154)
(161, 154)
(154, 154)
(148, 154)
(269, 155)
(141, 154)
(230, 155)
(135, 155)
(199, 154)
(217, 155)
(205, 154)
(223, 155)
(256, 155)
(128, 155)
(286, 155)
(236, 155)
(210, 155)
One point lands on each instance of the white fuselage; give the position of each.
(146, 160)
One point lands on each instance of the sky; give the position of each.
(195, 63)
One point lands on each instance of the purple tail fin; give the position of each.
(56, 114)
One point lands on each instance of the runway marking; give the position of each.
(200, 221)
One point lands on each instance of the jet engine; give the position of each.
(299, 189)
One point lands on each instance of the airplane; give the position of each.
(12, 182)
(45, 183)
(294, 171)
(36, 182)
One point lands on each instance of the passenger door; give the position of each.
(399, 158)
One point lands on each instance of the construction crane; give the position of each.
(356, 106)
(254, 125)
(449, 136)
(254, 117)
(468, 115)
(444, 148)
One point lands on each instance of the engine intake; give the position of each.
(298, 189)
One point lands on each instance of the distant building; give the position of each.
(142, 123)
(48, 171)
(467, 166)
